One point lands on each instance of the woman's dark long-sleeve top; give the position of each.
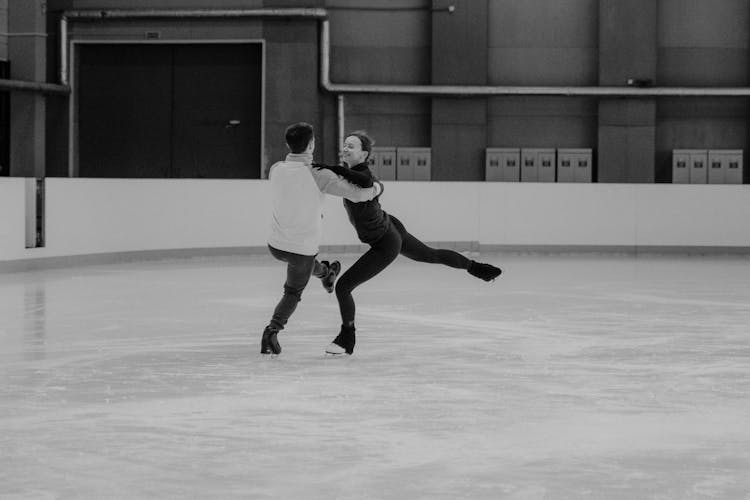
(368, 218)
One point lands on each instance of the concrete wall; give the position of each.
(389, 44)
(459, 125)
(702, 42)
(496, 42)
(383, 46)
(627, 127)
(106, 216)
(4, 30)
(542, 43)
(28, 59)
(538, 42)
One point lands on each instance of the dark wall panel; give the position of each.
(392, 120)
(542, 132)
(702, 44)
(627, 40)
(627, 127)
(4, 123)
(379, 24)
(382, 65)
(553, 122)
(703, 23)
(4, 26)
(459, 43)
(543, 66)
(393, 130)
(292, 90)
(626, 154)
(159, 110)
(383, 42)
(460, 57)
(125, 110)
(57, 136)
(700, 66)
(541, 23)
(216, 111)
(460, 149)
(539, 42)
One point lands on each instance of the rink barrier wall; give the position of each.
(109, 220)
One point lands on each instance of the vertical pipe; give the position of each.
(64, 50)
(341, 124)
(324, 45)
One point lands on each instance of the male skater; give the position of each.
(298, 191)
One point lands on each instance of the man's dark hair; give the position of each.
(298, 136)
(364, 138)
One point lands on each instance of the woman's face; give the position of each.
(353, 154)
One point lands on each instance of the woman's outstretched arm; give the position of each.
(359, 178)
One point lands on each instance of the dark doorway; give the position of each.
(170, 110)
(4, 123)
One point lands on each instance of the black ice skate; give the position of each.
(486, 272)
(269, 344)
(334, 268)
(343, 343)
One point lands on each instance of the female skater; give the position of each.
(387, 238)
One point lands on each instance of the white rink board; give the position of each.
(106, 216)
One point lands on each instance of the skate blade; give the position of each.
(335, 350)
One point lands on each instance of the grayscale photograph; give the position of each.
(374, 249)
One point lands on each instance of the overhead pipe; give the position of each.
(38, 87)
(506, 90)
(428, 90)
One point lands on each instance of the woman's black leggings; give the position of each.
(381, 253)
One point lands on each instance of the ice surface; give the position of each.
(579, 376)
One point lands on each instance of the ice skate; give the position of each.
(269, 344)
(334, 268)
(343, 343)
(486, 272)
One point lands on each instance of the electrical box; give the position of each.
(493, 172)
(404, 165)
(565, 170)
(413, 164)
(503, 164)
(715, 168)
(698, 166)
(383, 163)
(574, 165)
(538, 165)
(681, 166)
(735, 168)
(583, 166)
(725, 166)
(547, 165)
(422, 164)
(529, 165)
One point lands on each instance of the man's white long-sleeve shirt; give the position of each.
(298, 191)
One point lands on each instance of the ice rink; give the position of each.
(572, 376)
